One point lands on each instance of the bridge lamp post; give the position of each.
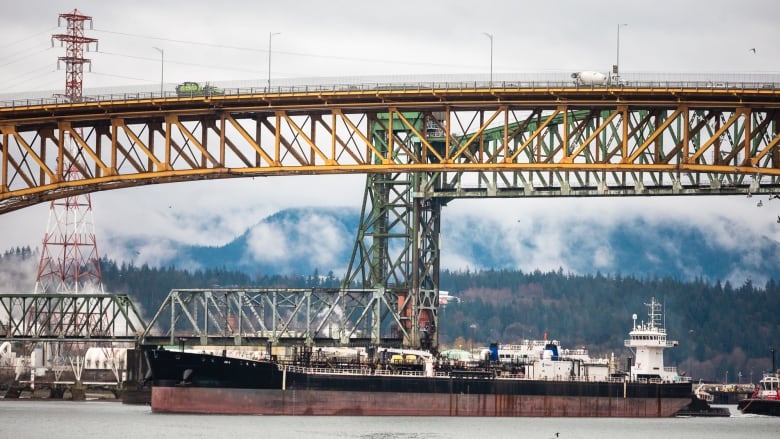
(270, 35)
(690, 353)
(490, 36)
(162, 68)
(616, 70)
(473, 327)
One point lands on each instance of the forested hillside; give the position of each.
(721, 328)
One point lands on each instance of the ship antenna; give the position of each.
(653, 314)
(664, 314)
(227, 323)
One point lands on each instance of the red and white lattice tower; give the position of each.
(70, 262)
(75, 42)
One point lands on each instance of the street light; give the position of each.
(162, 68)
(616, 70)
(690, 353)
(270, 35)
(491, 56)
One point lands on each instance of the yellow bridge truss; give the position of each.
(507, 139)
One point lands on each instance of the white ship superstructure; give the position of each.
(648, 340)
(546, 360)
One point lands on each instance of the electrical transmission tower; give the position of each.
(70, 262)
(75, 43)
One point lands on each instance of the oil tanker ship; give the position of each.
(534, 378)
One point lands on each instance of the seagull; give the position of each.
(752, 49)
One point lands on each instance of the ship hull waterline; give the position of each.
(758, 406)
(317, 402)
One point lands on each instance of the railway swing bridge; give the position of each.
(420, 146)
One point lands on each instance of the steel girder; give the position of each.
(93, 318)
(245, 317)
(520, 142)
(397, 252)
(396, 249)
(442, 144)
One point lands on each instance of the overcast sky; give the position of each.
(228, 42)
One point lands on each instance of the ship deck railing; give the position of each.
(661, 380)
(363, 371)
(559, 378)
(366, 371)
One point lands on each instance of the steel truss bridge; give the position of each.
(246, 317)
(94, 318)
(420, 145)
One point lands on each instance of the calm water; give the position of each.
(66, 419)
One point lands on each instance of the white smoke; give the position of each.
(17, 274)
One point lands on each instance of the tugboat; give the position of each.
(701, 405)
(766, 398)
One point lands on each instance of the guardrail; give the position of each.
(400, 87)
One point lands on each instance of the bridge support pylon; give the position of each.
(397, 245)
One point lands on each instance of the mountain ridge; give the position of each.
(302, 240)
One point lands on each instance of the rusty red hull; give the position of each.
(355, 403)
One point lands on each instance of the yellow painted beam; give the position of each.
(120, 124)
(326, 132)
(716, 135)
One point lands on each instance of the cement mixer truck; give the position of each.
(589, 78)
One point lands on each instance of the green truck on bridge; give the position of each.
(186, 89)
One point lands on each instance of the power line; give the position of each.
(12, 43)
(167, 61)
(25, 77)
(282, 52)
(24, 57)
(173, 40)
(120, 76)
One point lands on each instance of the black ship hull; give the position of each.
(759, 406)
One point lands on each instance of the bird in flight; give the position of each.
(752, 49)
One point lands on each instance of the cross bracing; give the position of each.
(504, 141)
(63, 317)
(275, 315)
(419, 146)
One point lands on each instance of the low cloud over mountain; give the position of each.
(302, 240)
